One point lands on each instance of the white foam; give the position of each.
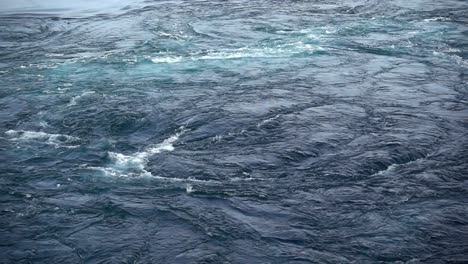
(52, 55)
(451, 54)
(43, 124)
(285, 50)
(438, 19)
(122, 162)
(118, 173)
(387, 170)
(74, 98)
(394, 166)
(167, 144)
(57, 140)
(459, 60)
(114, 172)
(188, 180)
(189, 188)
(134, 165)
(238, 179)
(166, 59)
(263, 122)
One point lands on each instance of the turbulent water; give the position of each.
(257, 131)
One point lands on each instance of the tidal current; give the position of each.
(258, 131)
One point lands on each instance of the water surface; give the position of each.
(234, 131)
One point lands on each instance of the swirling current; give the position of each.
(260, 131)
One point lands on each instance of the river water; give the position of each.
(257, 131)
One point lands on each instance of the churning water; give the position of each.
(259, 131)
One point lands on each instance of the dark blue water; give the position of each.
(234, 131)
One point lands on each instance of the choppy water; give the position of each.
(234, 131)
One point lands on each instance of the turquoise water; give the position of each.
(233, 131)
